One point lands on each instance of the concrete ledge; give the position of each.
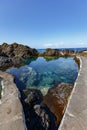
(11, 114)
(75, 117)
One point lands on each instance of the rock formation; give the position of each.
(58, 53)
(45, 113)
(57, 98)
(83, 53)
(36, 115)
(17, 50)
(52, 52)
(11, 55)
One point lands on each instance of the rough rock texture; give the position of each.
(11, 115)
(77, 60)
(17, 50)
(68, 52)
(83, 53)
(36, 115)
(57, 98)
(52, 52)
(6, 62)
(58, 53)
(11, 55)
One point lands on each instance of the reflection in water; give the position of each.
(42, 74)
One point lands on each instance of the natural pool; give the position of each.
(43, 73)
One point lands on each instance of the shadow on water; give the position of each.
(37, 119)
(20, 84)
(29, 60)
(0, 87)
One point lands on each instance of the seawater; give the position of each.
(44, 73)
(75, 49)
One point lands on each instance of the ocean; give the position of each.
(75, 49)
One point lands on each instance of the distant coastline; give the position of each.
(75, 49)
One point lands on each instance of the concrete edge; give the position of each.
(19, 95)
(66, 111)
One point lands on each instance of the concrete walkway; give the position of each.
(75, 117)
(11, 115)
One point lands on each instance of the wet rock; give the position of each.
(77, 60)
(12, 55)
(32, 97)
(45, 121)
(5, 60)
(57, 98)
(37, 114)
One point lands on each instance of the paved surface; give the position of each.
(11, 116)
(75, 117)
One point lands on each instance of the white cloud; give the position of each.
(82, 44)
(54, 45)
(64, 44)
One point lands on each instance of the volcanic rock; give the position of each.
(17, 50)
(52, 52)
(36, 116)
(58, 53)
(32, 96)
(12, 55)
(57, 98)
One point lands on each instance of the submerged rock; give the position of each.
(27, 77)
(57, 98)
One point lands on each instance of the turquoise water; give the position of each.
(44, 73)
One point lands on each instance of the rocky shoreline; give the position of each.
(41, 112)
(13, 54)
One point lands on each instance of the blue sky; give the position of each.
(44, 23)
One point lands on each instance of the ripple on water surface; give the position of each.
(42, 73)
